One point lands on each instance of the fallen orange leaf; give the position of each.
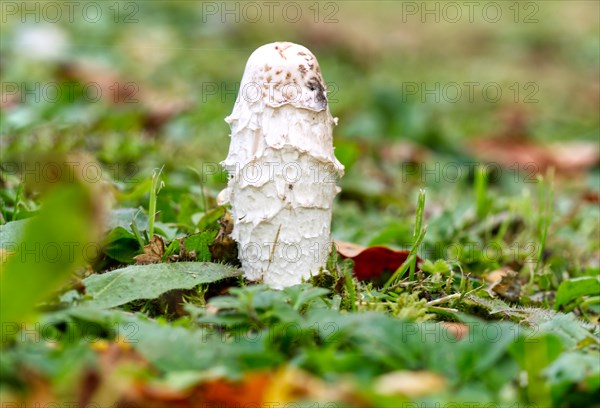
(223, 392)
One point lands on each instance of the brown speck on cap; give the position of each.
(269, 78)
(288, 75)
(282, 49)
(302, 53)
(267, 67)
(302, 69)
(278, 72)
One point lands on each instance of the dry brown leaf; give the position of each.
(456, 330)
(224, 248)
(403, 152)
(592, 197)
(512, 148)
(153, 252)
(285, 385)
(574, 156)
(110, 384)
(291, 384)
(9, 100)
(114, 89)
(348, 249)
(505, 283)
(251, 390)
(530, 158)
(40, 392)
(158, 107)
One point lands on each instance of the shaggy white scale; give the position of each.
(282, 169)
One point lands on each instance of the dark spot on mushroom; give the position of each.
(302, 53)
(288, 75)
(315, 85)
(302, 69)
(290, 187)
(311, 66)
(269, 77)
(267, 67)
(278, 72)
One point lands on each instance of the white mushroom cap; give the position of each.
(284, 73)
(281, 77)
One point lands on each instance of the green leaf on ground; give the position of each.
(572, 289)
(121, 245)
(122, 217)
(49, 252)
(200, 243)
(12, 232)
(124, 285)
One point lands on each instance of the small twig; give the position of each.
(157, 184)
(443, 299)
(274, 245)
(417, 231)
(443, 309)
(401, 284)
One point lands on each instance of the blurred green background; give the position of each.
(144, 84)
